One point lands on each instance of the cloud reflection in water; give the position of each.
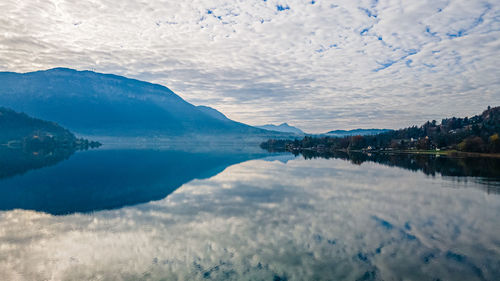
(303, 220)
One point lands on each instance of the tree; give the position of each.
(494, 143)
(472, 144)
(423, 143)
(357, 142)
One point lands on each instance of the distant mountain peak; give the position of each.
(283, 127)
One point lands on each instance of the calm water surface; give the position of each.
(171, 215)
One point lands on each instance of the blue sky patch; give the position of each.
(282, 8)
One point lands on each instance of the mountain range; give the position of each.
(93, 103)
(97, 104)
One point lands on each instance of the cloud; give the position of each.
(267, 61)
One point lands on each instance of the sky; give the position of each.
(319, 65)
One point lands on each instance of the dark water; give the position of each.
(146, 214)
(108, 179)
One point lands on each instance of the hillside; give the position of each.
(18, 130)
(109, 105)
(212, 112)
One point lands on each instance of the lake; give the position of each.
(156, 214)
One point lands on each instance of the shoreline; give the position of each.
(452, 153)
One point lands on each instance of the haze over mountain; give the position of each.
(354, 132)
(284, 127)
(103, 104)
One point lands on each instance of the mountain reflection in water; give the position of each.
(19, 161)
(226, 218)
(103, 179)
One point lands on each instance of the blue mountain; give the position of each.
(212, 112)
(284, 127)
(93, 103)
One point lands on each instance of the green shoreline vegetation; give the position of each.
(477, 136)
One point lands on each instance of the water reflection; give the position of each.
(485, 170)
(19, 161)
(278, 219)
(104, 179)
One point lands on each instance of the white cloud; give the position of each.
(312, 65)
